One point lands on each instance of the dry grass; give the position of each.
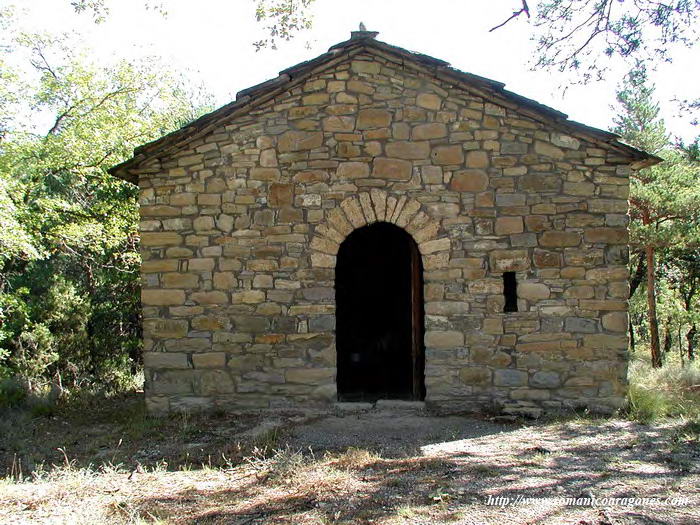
(167, 471)
(117, 432)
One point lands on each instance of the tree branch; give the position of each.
(525, 9)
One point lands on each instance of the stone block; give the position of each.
(548, 150)
(214, 382)
(579, 292)
(616, 321)
(162, 297)
(207, 323)
(358, 86)
(159, 211)
(591, 304)
(365, 67)
(606, 235)
(160, 360)
(493, 325)
(281, 195)
(353, 170)
(172, 382)
(391, 169)
(338, 124)
(447, 155)
(477, 159)
(160, 239)
(565, 141)
(510, 199)
(429, 101)
(310, 376)
(409, 150)
(299, 141)
(533, 291)
(447, 339)
(433, 130)
(165, 328)
(546, 259)
(509, 260)
(538, 182)
(373, 118)
(225, 280)
(435, 245)
(214, 297)
(560, 239)
(510, 377)
(159, 265)
(469, 180)
(475, 375)
(580, 325)
(545, 379)
(209, 360)
(508, 225)
(248, 297)
(179, 280)
(268, 158)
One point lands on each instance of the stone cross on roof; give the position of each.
(363, 33)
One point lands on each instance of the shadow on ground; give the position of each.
(434, 470)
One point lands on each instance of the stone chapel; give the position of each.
(375, 225)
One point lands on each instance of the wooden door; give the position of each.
(417, 354)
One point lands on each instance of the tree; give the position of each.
(68, 240)
(663, 198)
(579, 35)
(683, 274)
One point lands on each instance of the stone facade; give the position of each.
(241, 224)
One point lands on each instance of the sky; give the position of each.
(212, 41)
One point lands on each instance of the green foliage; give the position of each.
(282, 20)
(12, 392)
(664, 197)
(578, 35)
(665, 224)
(69, 289)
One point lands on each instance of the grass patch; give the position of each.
(277, 465)
(115, 430)
(670, 391)
(354, 458)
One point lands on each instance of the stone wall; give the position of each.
(239, 234)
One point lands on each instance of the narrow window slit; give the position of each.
(510, 292)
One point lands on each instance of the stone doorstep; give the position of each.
(381, 404)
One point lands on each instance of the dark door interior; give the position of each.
(379, 325)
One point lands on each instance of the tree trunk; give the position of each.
(631, 337)
(668, 338)
(638, 276)
(690, 337)
(635, 280)
(651, 304)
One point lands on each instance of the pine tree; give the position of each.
(663, 198)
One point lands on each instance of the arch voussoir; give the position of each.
(367, 208)
(353, 212)
(427, 233)
(409, 210)
(379, 202)
(339, 222)
(373, 206)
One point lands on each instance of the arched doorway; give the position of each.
(379, 315)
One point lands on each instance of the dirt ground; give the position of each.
(383, 467)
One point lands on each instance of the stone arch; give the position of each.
(379, 206)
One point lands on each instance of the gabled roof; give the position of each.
(364, 41)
